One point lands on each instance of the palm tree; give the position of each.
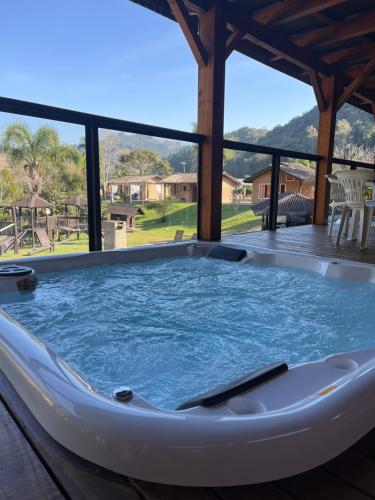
(36, 150)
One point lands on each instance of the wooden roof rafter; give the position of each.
(317, 87)
(232, 41)
(271, 41)
(313, 66)
(350, 55)
(308, 56)
(348, 91)
(285, 12)
(182, 16)
(337, 32)
(340, 54)
(303, 58)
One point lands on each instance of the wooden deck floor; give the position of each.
(311, 240)
(34, 466)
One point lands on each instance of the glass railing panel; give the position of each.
(149, 189)
(43, 202)
(296, 202)
(245, 192)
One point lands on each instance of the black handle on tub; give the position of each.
(227, 391)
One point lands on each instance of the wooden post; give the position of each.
(33, 227)
(211, 88)
(14, 215)
(326, 138)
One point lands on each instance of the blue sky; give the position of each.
(118, 59)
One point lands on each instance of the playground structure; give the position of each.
(32, 225)
(73, 224)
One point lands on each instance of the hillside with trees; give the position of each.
(355, 139)
(135, 142)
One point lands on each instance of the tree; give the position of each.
(10, 190)
(185, 159)
(163, 207)
(39, 151)
(110, 152)
(312, 134)
(342, 132)
(142, 162)
(356, 152)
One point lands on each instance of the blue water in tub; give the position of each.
(171, 329)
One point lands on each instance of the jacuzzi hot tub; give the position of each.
(271, 424)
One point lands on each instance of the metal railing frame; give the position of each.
(276, 154)
(93, 123)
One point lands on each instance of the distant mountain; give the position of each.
(163, 147)
(299, 134)
(293, 134)
(246, 134)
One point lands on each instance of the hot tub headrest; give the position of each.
(227, 391)
(227, 253)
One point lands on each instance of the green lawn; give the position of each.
(149, 229)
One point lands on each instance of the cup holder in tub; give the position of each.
(342, 363)
(242, 405)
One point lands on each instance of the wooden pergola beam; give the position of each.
(338, 32)
(347, 55)
(286, 51)
(211, 92)
(181, 15)
(361, 76)
(275, 43)
(251, 50)
(326, 139)
(317, 87)
(232, 41)
(291, 10)
(370, 84)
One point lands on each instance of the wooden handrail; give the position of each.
(6, 227)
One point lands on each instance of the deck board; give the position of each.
(319, 484)
(22, 475)
(164, 492)
(361, 476)
(271, 491)
(308, 240)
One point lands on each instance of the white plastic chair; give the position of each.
(337, 195)
(353, 182)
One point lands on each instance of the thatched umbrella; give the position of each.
(32, 203)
